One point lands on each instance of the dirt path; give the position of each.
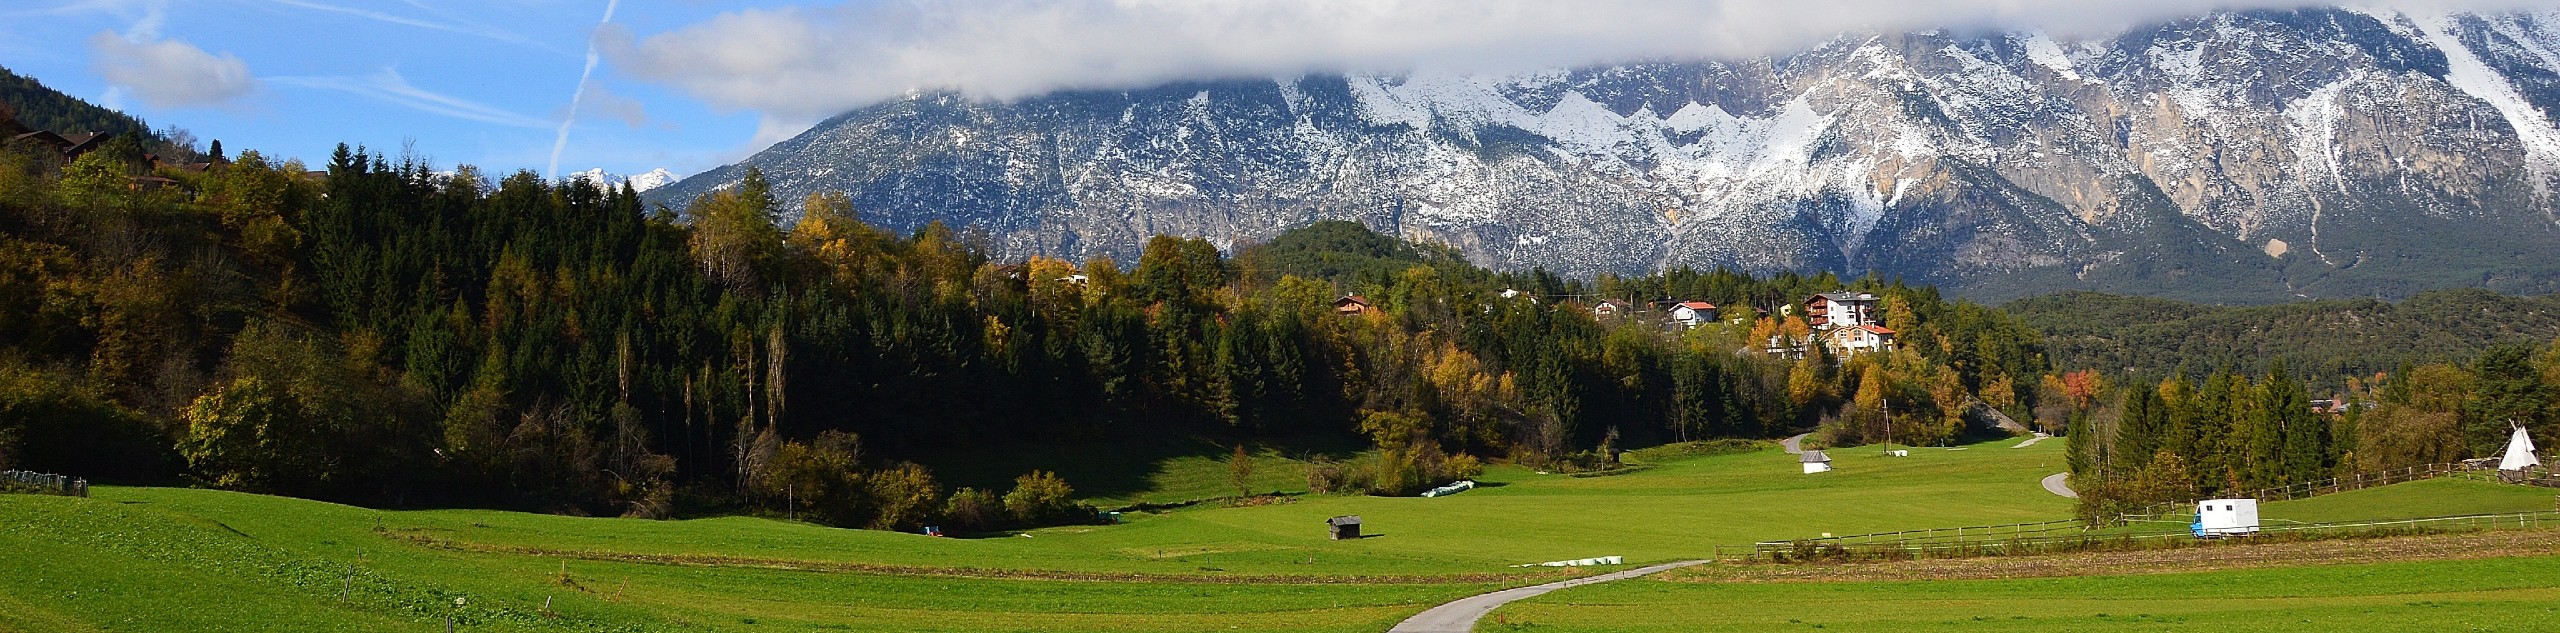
(2032, 440)
(1461, 616)
(1794, 445)
(2206, 557)
(2056, 483)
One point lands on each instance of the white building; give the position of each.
(1816, 462)
(1837, 309)
(1693, 313)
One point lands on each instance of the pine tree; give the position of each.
(2144, 429)
(2507, 391)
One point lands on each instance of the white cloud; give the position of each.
(390, 87)
(806, 63)
(170, 73)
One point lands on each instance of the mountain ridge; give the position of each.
(2392, 154)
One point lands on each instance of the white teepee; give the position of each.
(2519, 453)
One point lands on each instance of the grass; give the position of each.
(2505, 594)
(2446, 496)
(198, 560)
(1171, 471)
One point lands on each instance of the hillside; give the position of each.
(42, 108)
(2396, 153)
(2324, 341)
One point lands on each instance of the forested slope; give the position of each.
(2324, 341)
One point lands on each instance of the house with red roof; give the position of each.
(1693, 313)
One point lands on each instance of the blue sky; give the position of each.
(689, 85)
(483, 82)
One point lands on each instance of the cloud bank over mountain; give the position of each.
(805, 63)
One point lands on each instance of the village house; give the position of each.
(1693, 313)
(1351, 304)
(1838, 309)
(1848, 342)
(1608, 308)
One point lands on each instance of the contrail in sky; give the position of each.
(562, 142)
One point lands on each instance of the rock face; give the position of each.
(2241, 157)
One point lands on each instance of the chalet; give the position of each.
(41, 137)
(1612, 308)
(1693, 313)
(1847, 342)
(1351, 304)
(1835, 309)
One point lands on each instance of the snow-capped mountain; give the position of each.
(2233, 156)
(654, 179)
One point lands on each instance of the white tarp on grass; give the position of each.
(1579, 562)
(1462, 485)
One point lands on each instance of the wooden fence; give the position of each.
(1990, 544)
(2072, 535)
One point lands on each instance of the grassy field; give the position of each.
(2504, 594)
(176, 559)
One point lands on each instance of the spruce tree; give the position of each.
(2507, 391)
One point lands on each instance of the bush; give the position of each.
(973, 510)
(1461, 466)
(1327, 476)
(1044, 498)
(819, 480)
(903, 497)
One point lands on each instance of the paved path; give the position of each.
(2032, 440)
(1794, 445)
(2054, 484)
(1461, 616)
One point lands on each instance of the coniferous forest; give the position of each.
(386, 333)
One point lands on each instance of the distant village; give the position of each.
(1844, 323)
(70, 146)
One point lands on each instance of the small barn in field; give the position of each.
(1815, 462)
(1345, 527)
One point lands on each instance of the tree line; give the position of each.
(394, 334)
(2137, 442)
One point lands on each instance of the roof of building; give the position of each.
(1351, 299)
(43, 136)
(1875, 328)
(1348, 519)
(1814, 457)
(1697, 305)
(1847, 296)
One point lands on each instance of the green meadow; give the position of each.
(167, 559)
(2501, 594)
